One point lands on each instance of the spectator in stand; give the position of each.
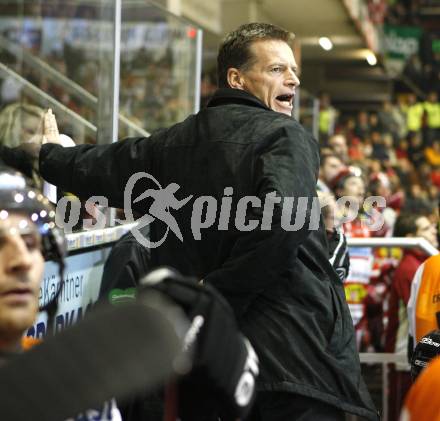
(356, 150)
(327, 118)
(402, 149)
(427, 208)
(408, 224)
(367, 147)
(404, 171)
(415, 150)
(375, 124)
(18, 123)
(362, 129)
(348, 184)
(432, 153)
(391, 120)
(331, 165)
(433, 193)
(348, 128)
(389, 149)
(432, 109)
(435, 177)
(379, 149)
(417, 192)
(380, 185)
(397, 198)
(384, 258)
(352, 217)
(338, 143)
(414, 115)
(21, 123)
(400, 111)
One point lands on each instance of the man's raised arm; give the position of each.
(102, 170)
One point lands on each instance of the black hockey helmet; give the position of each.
(425, 351)
(17, 196)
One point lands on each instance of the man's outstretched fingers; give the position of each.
(51, 133)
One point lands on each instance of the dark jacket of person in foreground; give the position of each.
(287, 298)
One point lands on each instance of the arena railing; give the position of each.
(389, 358)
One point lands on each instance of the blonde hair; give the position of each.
(11, 118)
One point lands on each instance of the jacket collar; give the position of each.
(224, 96)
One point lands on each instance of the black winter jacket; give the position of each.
(287, 298)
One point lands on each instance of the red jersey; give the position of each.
(396, 338)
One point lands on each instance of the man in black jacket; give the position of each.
(245, 152)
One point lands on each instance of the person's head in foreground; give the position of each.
(26, 220)
(258, 58)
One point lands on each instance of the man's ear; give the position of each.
(235, 79)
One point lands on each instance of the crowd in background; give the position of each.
(393, 153)
(148, 98)
(156, 88)
(401, 140)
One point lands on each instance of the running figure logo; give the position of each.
(164, 199)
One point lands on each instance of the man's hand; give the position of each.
(50, 128)
(47, 132)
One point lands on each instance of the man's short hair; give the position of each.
(328, 155)
(235, 48)
(406, 224)
(421, 206)
(337, 136)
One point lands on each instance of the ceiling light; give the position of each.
(371, 58)
(325, 43)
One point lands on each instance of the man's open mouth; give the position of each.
(286, 99)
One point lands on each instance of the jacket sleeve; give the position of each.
(17, 159)
(102, 170)
(286, 163)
